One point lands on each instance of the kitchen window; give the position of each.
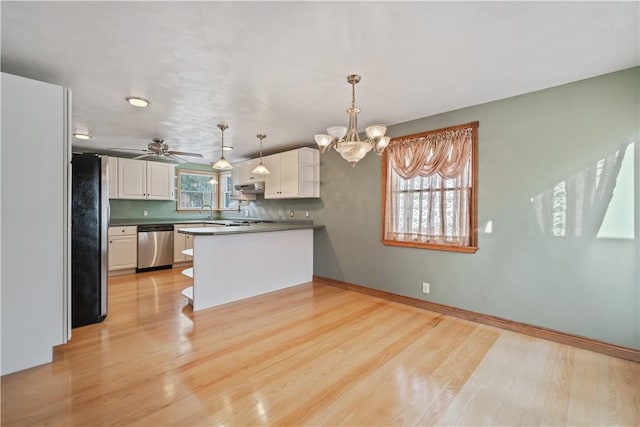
(430, 190)
(198, 188)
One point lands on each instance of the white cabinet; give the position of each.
(182, 242)
(123, 248)
(246, 172)
(139, 179)
(160, 181)
(112, 173)
(293, 174)
(237, 194)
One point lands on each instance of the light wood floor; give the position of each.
(310, 355)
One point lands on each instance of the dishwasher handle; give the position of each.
(149, 228)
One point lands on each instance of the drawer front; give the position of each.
(123, 231)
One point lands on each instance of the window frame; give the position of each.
(473, 204)
(217, 198)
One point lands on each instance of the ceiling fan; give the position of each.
(159, 148)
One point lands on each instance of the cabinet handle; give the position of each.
(110, 241)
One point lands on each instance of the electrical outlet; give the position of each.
(145, 213)
(425, 288)
(246, 212)
(306, 214)
(291, 213)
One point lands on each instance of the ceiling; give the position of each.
(280, 68)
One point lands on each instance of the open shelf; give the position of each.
(188, 292)
(188, 272)
(188, 252)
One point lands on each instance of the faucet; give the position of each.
(210, 210)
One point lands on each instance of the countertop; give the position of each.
(218, 226)
(216, 230)
(117, 222)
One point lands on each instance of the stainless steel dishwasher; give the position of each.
(155, 246)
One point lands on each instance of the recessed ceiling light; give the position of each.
(138, 102)
(227, 148)
(82, 136)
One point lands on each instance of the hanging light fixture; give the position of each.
(222, 163)
(261, 169)
(346, 140)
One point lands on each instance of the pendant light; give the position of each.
(261, 169)
(222, 163)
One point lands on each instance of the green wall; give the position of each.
(583, 285)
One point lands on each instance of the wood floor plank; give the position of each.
(309, 355)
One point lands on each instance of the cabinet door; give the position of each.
(235, 174)
(112, 172)
(160, 181)
(123, 252)
(132, 179)
(272, 181)
(289, 174)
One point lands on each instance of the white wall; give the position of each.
(34, 221)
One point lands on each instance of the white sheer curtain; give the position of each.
(429, 188)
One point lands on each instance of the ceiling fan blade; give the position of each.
(183, 153)
(128, 149)
(176, 158)
(143, 156)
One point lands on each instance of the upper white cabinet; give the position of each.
(139, 179)
(160, 181)
(246, 175)
(112, 172)
(237, 194)
(293, 174)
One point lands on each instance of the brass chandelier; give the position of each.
(346, 141)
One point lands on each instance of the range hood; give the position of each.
(252, 188)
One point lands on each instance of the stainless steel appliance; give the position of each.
(252, 188)
(89, 228)
(155, 246)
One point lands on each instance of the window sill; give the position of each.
(433, 246)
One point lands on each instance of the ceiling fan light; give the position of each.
(227, 148)
(83, 136)
(138, 102)
(261, 169)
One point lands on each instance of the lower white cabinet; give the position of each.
(182, 242)
(123, 248)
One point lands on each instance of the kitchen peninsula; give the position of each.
(236, 262)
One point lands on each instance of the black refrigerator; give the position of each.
(89, 234)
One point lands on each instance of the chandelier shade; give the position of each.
(222, 163)
(346, 140)
(261, 169)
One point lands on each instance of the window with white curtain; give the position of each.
(429, 190)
